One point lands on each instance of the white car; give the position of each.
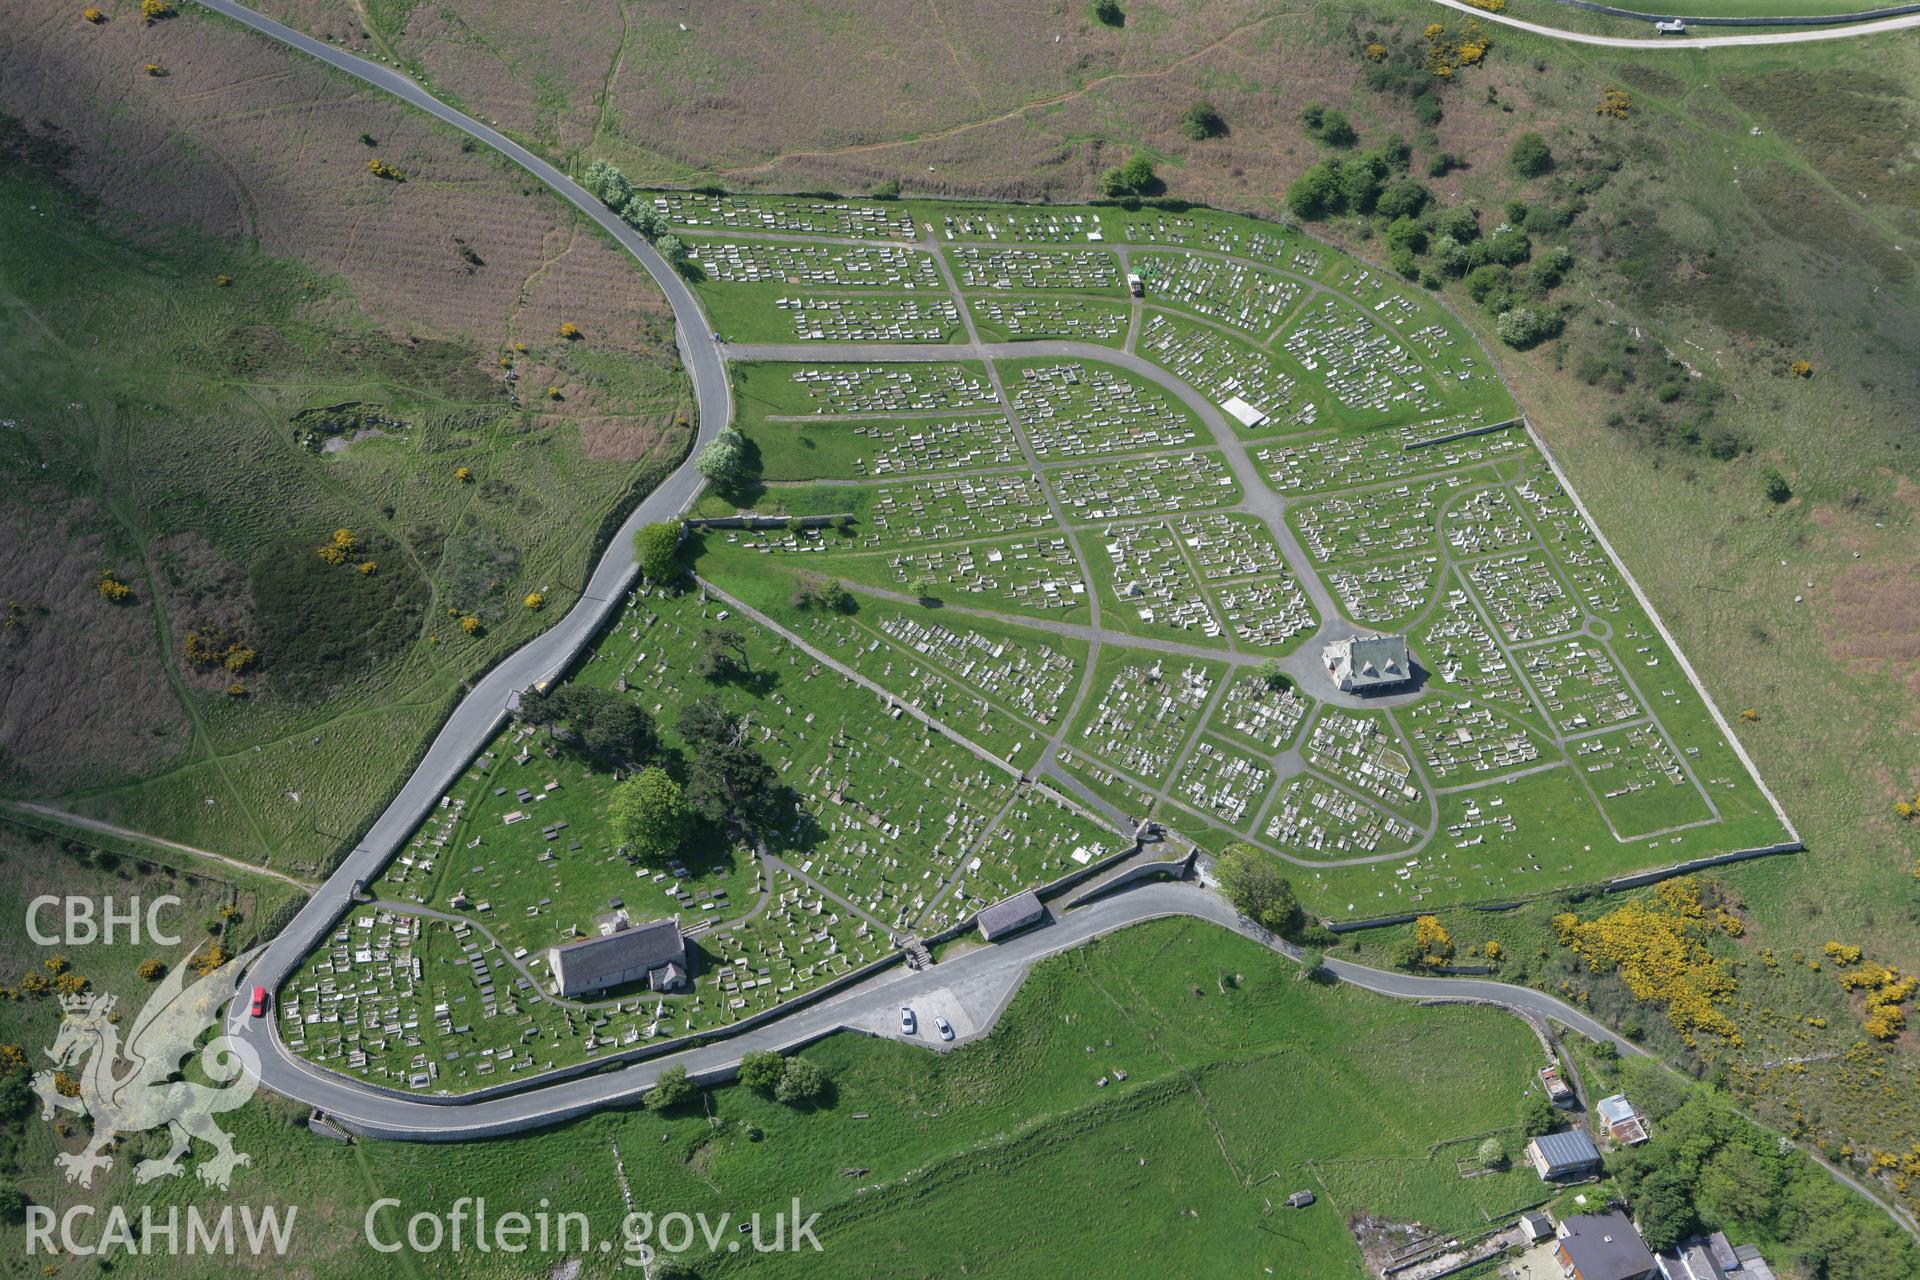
(945, 1028)
(908, 1025)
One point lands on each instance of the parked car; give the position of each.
(908, 1024)
(259, 1006)
(945, 1028)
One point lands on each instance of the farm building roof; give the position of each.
(1565, 1152)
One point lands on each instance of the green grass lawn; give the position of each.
(1242, 1085)
(1034, 318)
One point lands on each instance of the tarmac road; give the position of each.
(982, 981)
(990, 973)
(376, 1113)
(482, 711)
(1899, 23)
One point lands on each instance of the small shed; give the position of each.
(1559, 1156)
(1622, 1120)
(1536, 1226)
(1299, 1199)
(1022, 911)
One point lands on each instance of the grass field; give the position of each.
(1217, 1039)
(282, 758)
(209, 372)
(1797, 190)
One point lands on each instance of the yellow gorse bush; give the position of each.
(1657, 949)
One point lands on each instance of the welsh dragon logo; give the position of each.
(132, 1087)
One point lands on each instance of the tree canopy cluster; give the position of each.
(1256, 888)
(656, 548)
(1707, 1168)
(797, 1082)
(724, 461)
(598, 722)
(1201, 121)
(729, 783)
(1134, 178)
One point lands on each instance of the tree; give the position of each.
(1460, 222)
(887, 190)
(829, 593)
(1201, 121)
(1524, 327)
(1552, 266)
(802, 1083)
(13, 1205)
(1775, 485)
(1487, 284)
(16, 1097)
(1403, 232)
(607, 184)
(704, 722)
(649, 815)
(1134, 178)
(1404, 199)
(1328, 125)
(1256, 888)
(671, 1090)
(1433, 940)
(1312, 960)
(657, 549)
(604, 722)
(1739, 1185)
(1108, 13)
(1273, 675)
(1359, 182)
(921, 588)
(761, 1070)
(1509, 247)
(1491, 1154)
(1315, 193)
(732, 786)
(722, 653)
(1530, 156)
(1537, 1115)
(672, 248)
(644, 216)
(1663, 1206)
(724, 461)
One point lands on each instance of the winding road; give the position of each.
(985, 979)
(379, 1113)
(981, 981)
(1901, 22)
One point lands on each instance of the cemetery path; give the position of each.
(993, 970)
(1050, 488)
(448, 917)
(1258, 499)
(835, 665)
(985, 975)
